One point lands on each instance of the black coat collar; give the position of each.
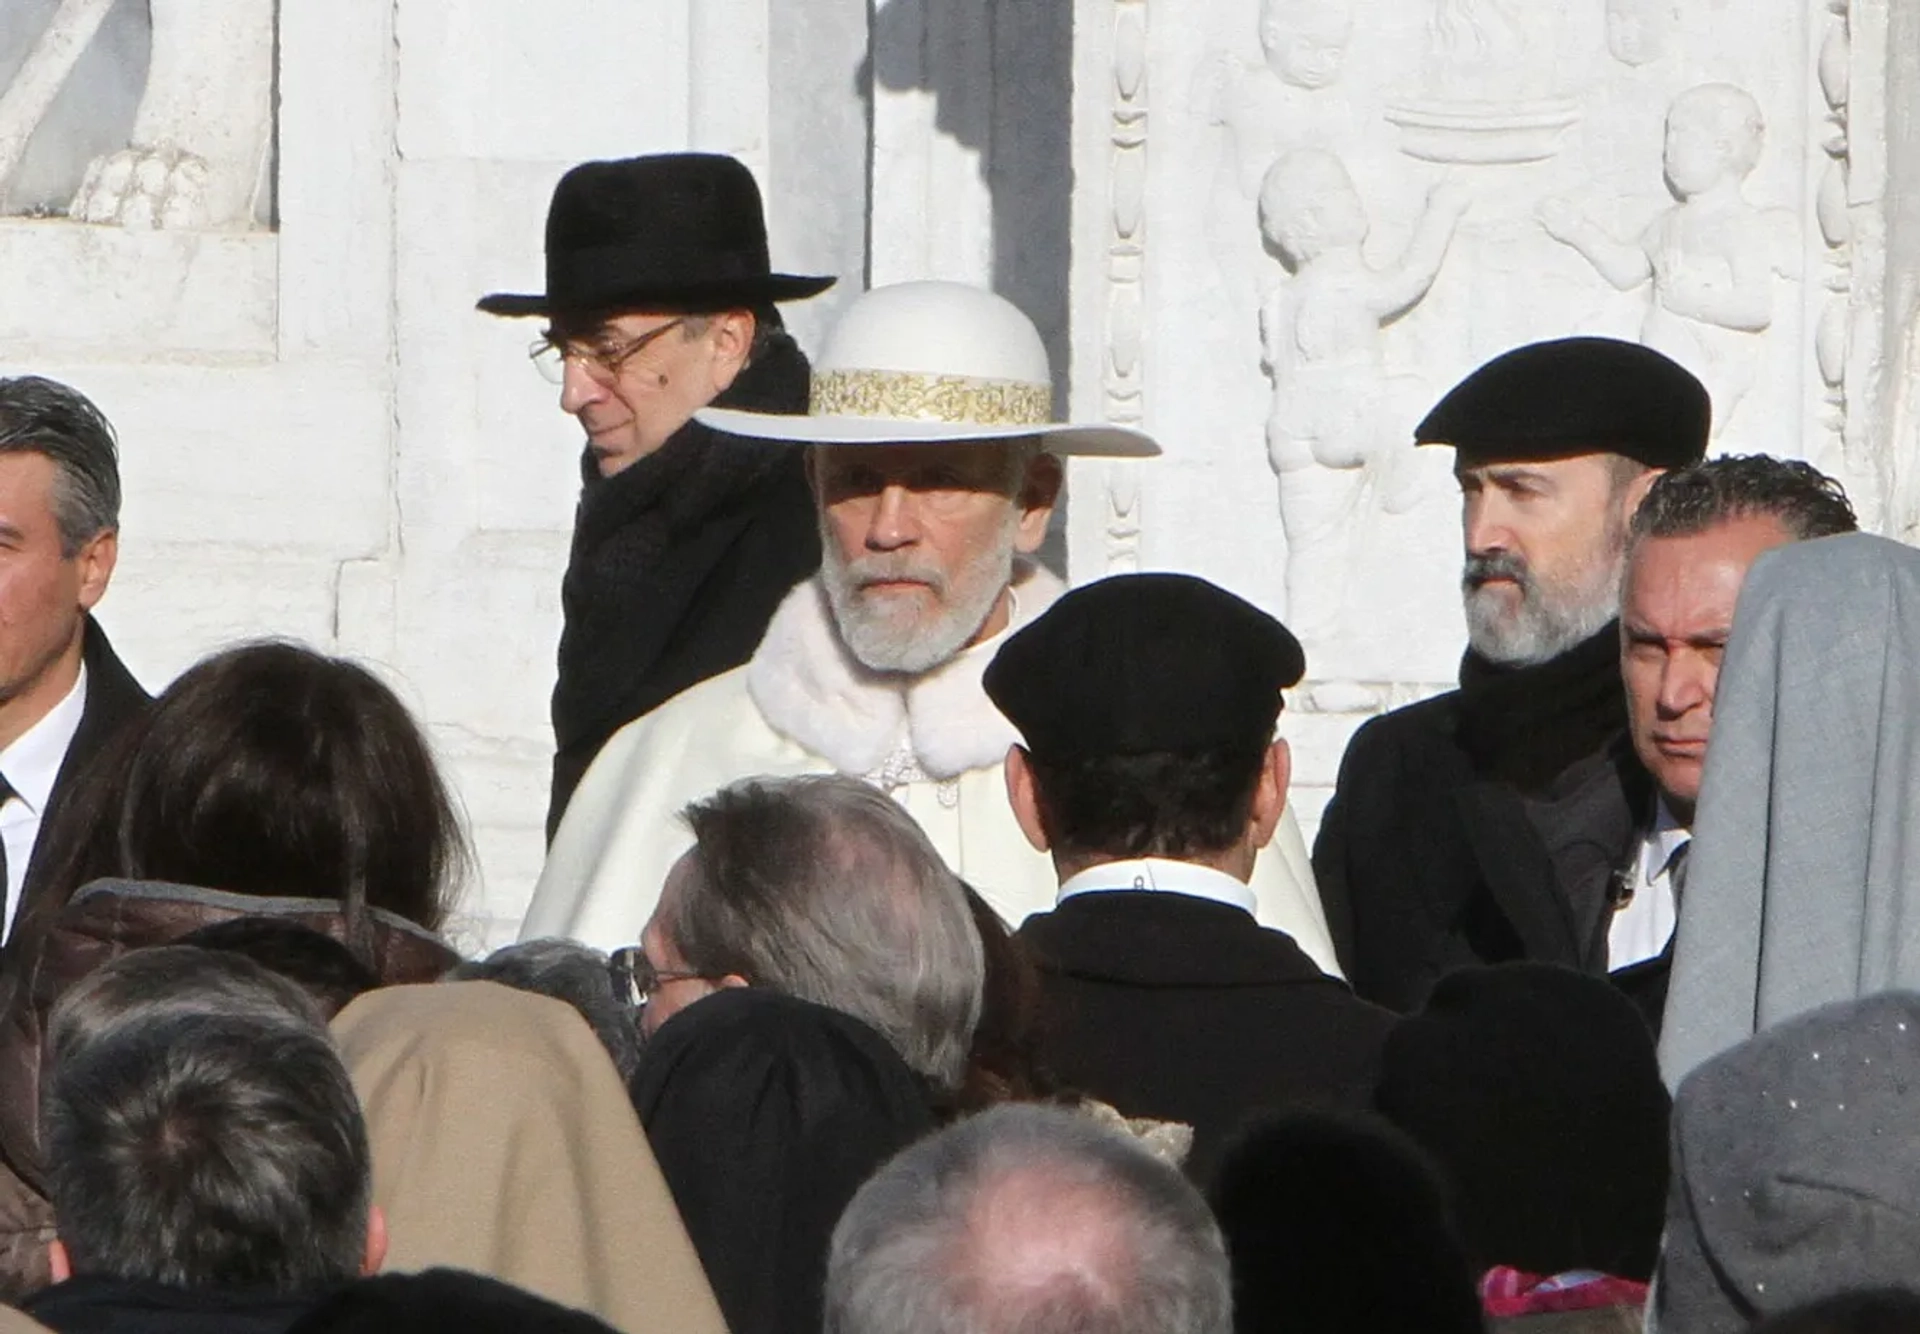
(1159, 939)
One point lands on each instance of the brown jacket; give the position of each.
(104, 920)
(504, 1143)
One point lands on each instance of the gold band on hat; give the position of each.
(959, 400)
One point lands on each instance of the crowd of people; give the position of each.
(927, 948)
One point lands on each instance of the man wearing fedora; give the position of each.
(935, 464)
(660, 300)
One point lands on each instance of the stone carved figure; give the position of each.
(203, 131)
(1268, 105)
(1711, 258)
(1336, 437)
(1638, 31)
(1304, 42)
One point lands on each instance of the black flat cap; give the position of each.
(1140, 663)
(1573, 396)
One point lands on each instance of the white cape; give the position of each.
(802, 706)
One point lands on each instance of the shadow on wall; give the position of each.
(93, 112)
(1001, 72)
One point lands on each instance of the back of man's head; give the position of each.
(1032, 1219)
(824, 888)
(1147, 705)
(200, 1130)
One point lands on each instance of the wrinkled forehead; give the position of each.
(980, 464)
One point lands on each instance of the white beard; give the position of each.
(892, 632)
(1547, 619)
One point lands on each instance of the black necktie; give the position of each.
(1677, 872)
(7, 794)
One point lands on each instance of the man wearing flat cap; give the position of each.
(1151, 775)
(660, 300)
(1488, 823)
(935, 462)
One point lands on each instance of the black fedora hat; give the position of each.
(674, 231)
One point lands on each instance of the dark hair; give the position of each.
(1174, 804)
(1804, 500)
(201, 1131)
(1873, 1311)
(566, 971)
(1004, 1063)
(1338, 1223)
(315, 962)
(41, 416)
(270, 769)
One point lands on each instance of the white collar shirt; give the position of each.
(30, 765)
(1644, 924)
(1159, 875)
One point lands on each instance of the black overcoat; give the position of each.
(1182, 1009)
(1431, 855)
(678, 563)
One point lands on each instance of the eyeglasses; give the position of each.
(635, 979)
(550, 358)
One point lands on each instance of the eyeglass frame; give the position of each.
(635, 979)
(603, 366)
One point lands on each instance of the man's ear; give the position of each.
(97, 556)
(376, 1241)
(59, 1263)
(730, 334)
(1636, 491)
(1039, 492)
(1023, 798)
(1270, 794)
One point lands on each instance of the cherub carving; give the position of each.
(203, 130)
(1332, 431)
(1303, 51)
(1710, 258)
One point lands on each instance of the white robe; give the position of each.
(803, 706)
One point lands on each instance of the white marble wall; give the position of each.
(323, 439)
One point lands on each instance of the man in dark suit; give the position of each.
(1692, 542)
(1150, 772)
(63, 693)
(1489, 823)
(659, 302)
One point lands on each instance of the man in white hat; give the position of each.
(935, 465)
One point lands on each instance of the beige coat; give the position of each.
(801, 706)
(504, 1143)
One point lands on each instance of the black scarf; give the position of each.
(648, 543)
(1527, 725)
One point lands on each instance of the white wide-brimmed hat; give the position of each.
(931, 362)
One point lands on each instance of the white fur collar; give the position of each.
(813, 692)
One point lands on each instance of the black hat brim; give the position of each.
(698, 299)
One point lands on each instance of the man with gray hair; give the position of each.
(63, 693)
(1028, 1219)
(936, 463)
(205, 1150)
(812, 977)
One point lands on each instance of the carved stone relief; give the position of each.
(1331, 437)
(1640, 31)
(1123, 380)
(198, 153)
(1710, 260)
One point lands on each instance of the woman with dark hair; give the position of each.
(270, 781)
(270, 769)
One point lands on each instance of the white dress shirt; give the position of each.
(1642, 927)
(30, 765)
(1161, 876)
